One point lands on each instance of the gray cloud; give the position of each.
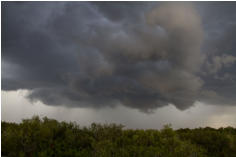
(218, 62)
(141, 55)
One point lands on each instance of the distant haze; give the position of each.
(16, 107)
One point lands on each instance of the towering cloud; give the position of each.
(86, 55)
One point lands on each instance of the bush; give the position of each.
(48, 137)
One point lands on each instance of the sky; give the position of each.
(142, 64)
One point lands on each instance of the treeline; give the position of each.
(49, 138)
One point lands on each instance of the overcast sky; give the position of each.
(142, 64)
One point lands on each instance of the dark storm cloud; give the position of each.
(142, 55)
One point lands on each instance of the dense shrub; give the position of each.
(48, 137)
